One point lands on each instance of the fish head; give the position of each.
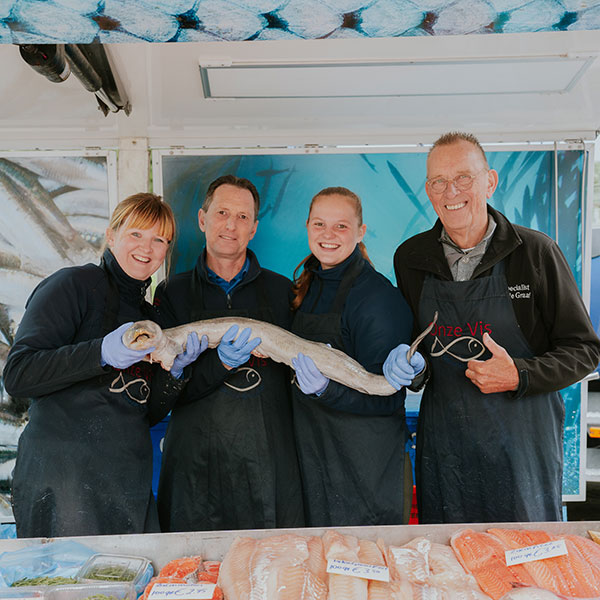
(142, 335)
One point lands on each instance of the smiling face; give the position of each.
(229, 223)
(334, 229)
(463, 213)
(139, 252)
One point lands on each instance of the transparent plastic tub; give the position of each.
(23, 593)
(116, 568)
(92, 591)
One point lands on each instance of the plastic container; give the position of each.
(117, 568)
(62, 558)
(95, 591)
(23, 593)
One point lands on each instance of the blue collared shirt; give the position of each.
(228, 286)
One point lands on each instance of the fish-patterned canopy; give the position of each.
(116, 21)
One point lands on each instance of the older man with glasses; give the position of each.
(511, 331)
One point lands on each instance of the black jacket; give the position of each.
(545, 298)
(59, 339)
(229, 459)
(376, 318)
(176, 306)
(84, 462)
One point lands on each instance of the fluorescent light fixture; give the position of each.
(514, 75)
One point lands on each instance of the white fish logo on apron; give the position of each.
(470, 348)
(137, 389)
(249, 380)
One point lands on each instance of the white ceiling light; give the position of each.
(520, 75)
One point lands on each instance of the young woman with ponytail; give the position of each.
(351, 446)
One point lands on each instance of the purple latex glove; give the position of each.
(235, 352)
(193, 349)
(116, 354)
(308, 376)
(398, 371)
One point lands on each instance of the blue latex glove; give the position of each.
(116, 354)
(308, 376)
(193, 349)
(235, 352)
(398, 371)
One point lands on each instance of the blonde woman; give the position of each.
(351, 446)
(84, 462)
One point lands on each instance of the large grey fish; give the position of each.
(83, 202)
(277, 343)
(75, 171)
(25, 229)
(59, 229)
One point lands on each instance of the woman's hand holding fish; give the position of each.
(497, 374)
(194, 347)
(116, 354)
(235, 352)
(308, 376)
(398, 370)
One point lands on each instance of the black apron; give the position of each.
(482, 457)
(84, 463)
(352, 466)
(229, 460)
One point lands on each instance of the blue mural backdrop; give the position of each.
(117, 21)
(395, 207)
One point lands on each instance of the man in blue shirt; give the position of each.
(229, 460)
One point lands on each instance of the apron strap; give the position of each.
(347, 282)
(197, 296)
(262, 291)
(110, 318)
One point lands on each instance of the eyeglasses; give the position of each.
(460, 182)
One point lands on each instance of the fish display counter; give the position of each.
(476, 561)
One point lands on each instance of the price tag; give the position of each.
(182, 591)
(537, 552)
(354, 569)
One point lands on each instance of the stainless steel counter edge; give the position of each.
(213, 545)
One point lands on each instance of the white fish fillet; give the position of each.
(316, 563)
(277, 343)
(369, 553)
(234, 574)
(273, 568)
(423, 570)
(343, 547)
(408, 563)
(446, 572)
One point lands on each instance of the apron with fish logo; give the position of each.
(352, 466)
(227, 463)
(482, 457)
(85, 458)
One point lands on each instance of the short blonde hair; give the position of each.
(143, 211)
